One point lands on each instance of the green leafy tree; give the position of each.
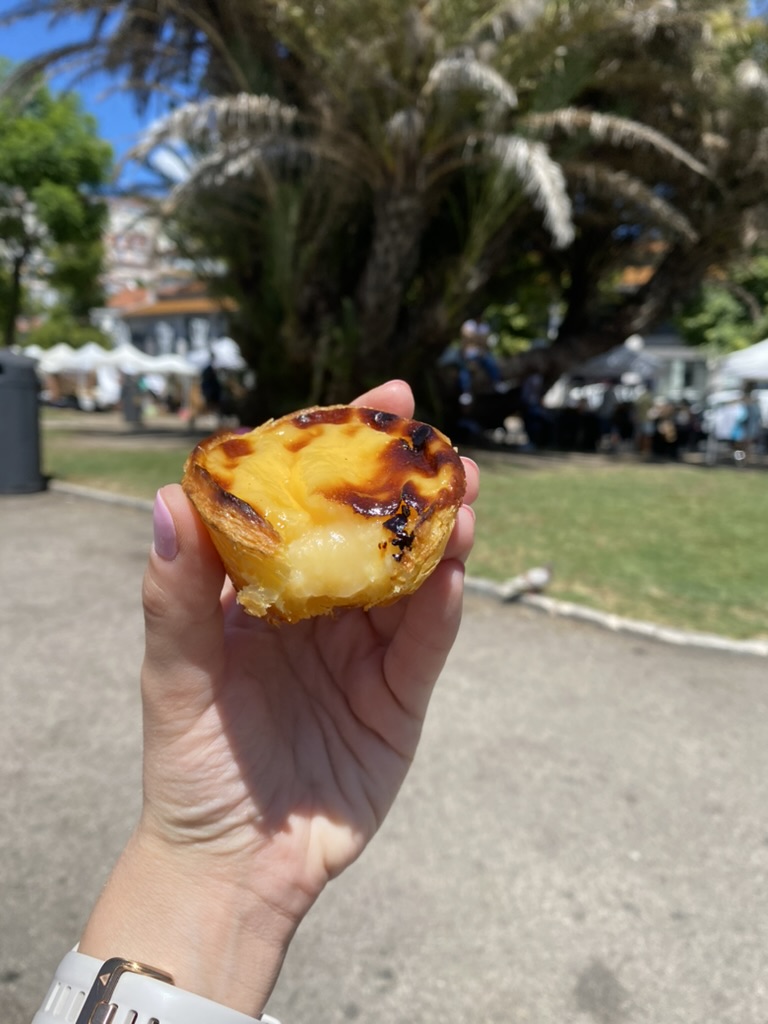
(52, 166)
(730, 310)
(59, 325)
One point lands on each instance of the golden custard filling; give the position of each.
(326, 508)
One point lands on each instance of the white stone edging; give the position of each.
(110, 497)
(682, 638)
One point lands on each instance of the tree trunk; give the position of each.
(399, 219)
(14, 301)
(581, 337)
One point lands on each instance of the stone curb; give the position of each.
(616, 623)
(507, 595)
(78, 491)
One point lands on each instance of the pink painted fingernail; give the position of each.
(165, 543)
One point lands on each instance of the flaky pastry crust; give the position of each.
(327, 508)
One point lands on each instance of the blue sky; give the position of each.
(114, 111)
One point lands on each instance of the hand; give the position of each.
(272, 754)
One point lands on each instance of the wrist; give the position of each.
(194, 918)
(86, 991)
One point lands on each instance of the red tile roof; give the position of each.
(193, 305)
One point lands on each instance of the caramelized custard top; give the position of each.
(354, 461)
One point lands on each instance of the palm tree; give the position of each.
(405, 144)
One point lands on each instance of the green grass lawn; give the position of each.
(672, 544)
(128, 471)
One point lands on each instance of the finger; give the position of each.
(181, 595)
(462, 536)
(228, 599)
(472, 474)
(424, 637)
(395, 396)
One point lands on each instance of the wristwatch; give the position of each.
(86, 991)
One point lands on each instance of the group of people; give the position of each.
(739, 423)
(665, 428)
(476, 389)
(637, 419)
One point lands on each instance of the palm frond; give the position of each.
(542, 181)
(603, 182)
(646, 20)
(611, 129)
(405, 131)
(277, 155)
(503, 19)
(260, 163)
(452, 74)
(405, 126)
(215, 119)
(751, 78)
(32, 69)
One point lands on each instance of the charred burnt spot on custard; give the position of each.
(235, 447)
(386, 422)
(231, 502)
(420, 451)
(420, 434)
(215, 502)
(225, 499)
(349, 416)
(378, 498)
(321, 416)
(379, 504)
(385, 497)
(398, 525)
(296, 444)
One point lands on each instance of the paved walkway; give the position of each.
(583, 839)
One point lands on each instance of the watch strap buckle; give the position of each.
(98, 1008)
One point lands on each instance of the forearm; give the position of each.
(176, 911)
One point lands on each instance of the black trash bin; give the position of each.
(19, 425)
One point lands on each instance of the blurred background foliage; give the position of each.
(366, 174)
(52, 167)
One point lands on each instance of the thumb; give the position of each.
(181, 596)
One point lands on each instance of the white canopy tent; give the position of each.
(91, 358)
(132, 361)
(630, 359)
(107, 365)
(224, 352)
(53, 360)
(173, 364)
(747, 364)
(730, 376)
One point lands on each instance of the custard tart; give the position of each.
(326, 508)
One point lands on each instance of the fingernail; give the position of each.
(165, 543)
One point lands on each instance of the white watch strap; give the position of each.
(136, 998)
